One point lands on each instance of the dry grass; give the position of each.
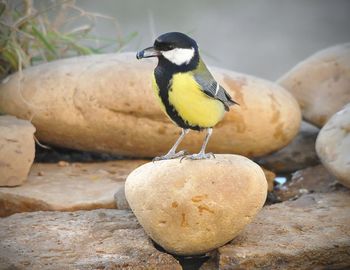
(49, 30)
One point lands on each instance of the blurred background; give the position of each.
(264, 38)
(259, 37)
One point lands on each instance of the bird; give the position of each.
(186, 90)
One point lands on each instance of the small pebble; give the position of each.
(63, 163)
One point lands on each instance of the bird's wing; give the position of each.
(210, 87)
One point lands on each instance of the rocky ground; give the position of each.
(310, 232)
(309, 229)
(71, 209)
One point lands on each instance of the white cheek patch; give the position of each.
(179, 56)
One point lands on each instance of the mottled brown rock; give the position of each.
(333, 145)
(71, 187)
(298, 154)
(321, 83)
(98, 239)
(309, 180)
(195, 206)
(270, 178)
(312, 232)
(106, 103)
(17, 150)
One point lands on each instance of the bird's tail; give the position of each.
(229, 102)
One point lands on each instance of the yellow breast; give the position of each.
(192, 104)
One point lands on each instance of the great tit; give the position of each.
(187, 91)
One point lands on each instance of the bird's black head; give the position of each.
(173, 48)
(172, 40)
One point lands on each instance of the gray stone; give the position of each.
(17, 150)
(333, 145)
(97, 239)
(299, 154)
(120, 199)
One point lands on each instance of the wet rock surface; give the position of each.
(310, 180)
(67, 186)
(97, 239)
(16, 150)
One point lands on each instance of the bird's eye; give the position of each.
(163, 46)
(170, 47)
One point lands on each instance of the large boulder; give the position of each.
(299, 154)
(191, 207)
(333, 145)
(321, 83)
(105, 103)
(17, 150)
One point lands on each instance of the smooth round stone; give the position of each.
(106, 103)
(192, 207)
(299, 154)
(321, 83)
(333, 145)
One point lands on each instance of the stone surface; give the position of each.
(67, 187)
(309, 180)
(195, 206)
(312, 232)
(120, 199)
(17, 150)
(98, 239)
(321, 83)
(118, 113)
(299, 154)
(333, 145)
(122, 203)
(270, 178)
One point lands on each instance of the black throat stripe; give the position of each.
(163, 74)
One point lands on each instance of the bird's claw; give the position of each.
(171, 156)
(198, 156)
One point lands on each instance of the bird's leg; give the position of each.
(202, 154)
(172, 152)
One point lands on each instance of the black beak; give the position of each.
(148, 52)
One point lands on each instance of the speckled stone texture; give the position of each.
(97, 239)
(312, 232)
